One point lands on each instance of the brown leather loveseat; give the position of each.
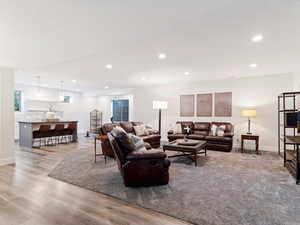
(202, 131)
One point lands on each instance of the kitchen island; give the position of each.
(26, 129)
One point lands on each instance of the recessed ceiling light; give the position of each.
(74, 81)
(257, 38)
(187, 73)
(106, 87)
(162, 56)
(253, 65)
(143, 78)
(109, 66)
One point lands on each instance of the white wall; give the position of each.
(256, 92)
(7, 145)
(78, 109)
(297, 82)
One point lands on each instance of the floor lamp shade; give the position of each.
(159, 105)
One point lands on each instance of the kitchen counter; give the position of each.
(26, 129)
(47, 122)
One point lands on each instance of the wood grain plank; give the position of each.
(29, 197)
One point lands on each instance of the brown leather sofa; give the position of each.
(141, 168)
(152, 139)
(202, 131)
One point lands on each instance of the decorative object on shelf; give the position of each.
(95, 121)
(159, 105)
(223, 104)
(250, 137)
(187, 105)
(249, 113)
(204, 105)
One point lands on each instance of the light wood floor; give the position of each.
(29, 197)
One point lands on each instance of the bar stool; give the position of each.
(42, 134)
(69, 131)
(59, 132)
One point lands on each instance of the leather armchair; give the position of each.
(141, 168)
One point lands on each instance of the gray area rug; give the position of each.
(226, 188)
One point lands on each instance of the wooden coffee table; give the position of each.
(186, 150)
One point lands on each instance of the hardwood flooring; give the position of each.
(29, 197)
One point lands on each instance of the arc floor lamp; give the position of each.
(160, 105)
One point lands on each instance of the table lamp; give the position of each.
(160, 105)
(249, 113)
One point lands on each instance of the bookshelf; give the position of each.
(95, 121)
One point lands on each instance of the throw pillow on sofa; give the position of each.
(120, 129)
(178, 128)
(139, 143)
(217, 130)
(140, 130)
(221, 130)
(213, 130)
(149, 129)
(187, 129)
(124, 141)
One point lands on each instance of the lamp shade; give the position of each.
(160, 105)
(249, 113)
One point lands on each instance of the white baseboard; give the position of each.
(7, 161)
(261, 148)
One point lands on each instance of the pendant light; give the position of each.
(38, 94)
(61, 93)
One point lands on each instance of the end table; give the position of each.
(99, 138)
(250, 137)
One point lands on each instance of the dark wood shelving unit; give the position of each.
(95, 121)
(288, 142)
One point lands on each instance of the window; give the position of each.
(120, 110)
(67, 99)
(18, 101)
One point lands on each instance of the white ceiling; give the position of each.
(75, 39)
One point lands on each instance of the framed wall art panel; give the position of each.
(223, 104)
(187, 105)
(204, 105)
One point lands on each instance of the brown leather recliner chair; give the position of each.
(141, 168)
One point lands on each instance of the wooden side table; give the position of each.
(101, 139)
(249, 137)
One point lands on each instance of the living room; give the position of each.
(142, 113)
